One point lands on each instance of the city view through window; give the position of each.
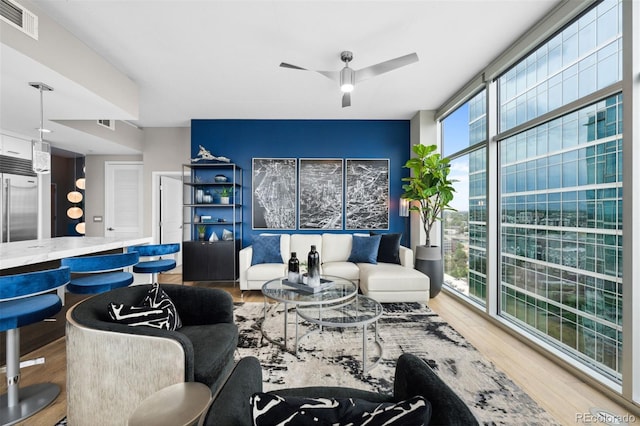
(560, 192)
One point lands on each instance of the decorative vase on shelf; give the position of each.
(294, 269)
(313, 268)
(225, 194)
(201, 232)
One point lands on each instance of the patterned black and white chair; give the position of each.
(417, 391)
(119, 350)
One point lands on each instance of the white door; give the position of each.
(171, 213)
(123, 199)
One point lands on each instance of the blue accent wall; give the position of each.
(242, 140)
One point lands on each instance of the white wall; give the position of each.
(165, 150)
(128, 138)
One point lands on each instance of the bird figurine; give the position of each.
(205, 154)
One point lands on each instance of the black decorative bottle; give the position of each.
(294, 268)
(313, 267)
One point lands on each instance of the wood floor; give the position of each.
(562, 394)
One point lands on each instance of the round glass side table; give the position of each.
(359, 312)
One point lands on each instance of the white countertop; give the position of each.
(23, 253)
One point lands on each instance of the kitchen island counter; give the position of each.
(33, 252)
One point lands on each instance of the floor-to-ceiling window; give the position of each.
(561, 190)
(464, 134)
(561, 232)
(558, 144)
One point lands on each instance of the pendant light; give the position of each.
(80, 228)
(80, 185)
(40, 148)
(74, 212)
(75, 197)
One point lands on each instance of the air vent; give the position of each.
(19, 17)
(109, 124)
(16, 166)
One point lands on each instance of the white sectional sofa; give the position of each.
(384, 282)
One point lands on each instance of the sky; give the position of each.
(455, 133)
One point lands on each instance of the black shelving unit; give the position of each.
(205, 208)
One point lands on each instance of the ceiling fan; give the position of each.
(348, 77)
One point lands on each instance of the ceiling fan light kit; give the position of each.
(348, 77)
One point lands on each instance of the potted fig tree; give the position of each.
(430, 192)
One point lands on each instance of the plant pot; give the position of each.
(429, 262)
(201, 236)
(225, 200)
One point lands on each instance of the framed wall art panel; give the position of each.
(273, 186)
(320, 186)
(367, 194)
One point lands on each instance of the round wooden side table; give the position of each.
(181, 404)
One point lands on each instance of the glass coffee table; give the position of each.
(359, 312)
(342, 292)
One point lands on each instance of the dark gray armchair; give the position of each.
(230, 406)
(113, 367)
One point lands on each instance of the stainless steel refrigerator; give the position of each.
(18, 208)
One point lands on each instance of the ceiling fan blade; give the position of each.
(331, 75)
(346, 100)
(293, 67)
(386, 66)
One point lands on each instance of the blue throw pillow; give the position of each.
(266, 249)
(365, 249)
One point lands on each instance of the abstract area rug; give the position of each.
(334, 358)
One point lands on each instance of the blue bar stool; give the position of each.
(155, 266)
(26, 299)
(100, 273)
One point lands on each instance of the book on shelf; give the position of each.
(324, 284)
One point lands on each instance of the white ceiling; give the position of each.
(220, 59)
